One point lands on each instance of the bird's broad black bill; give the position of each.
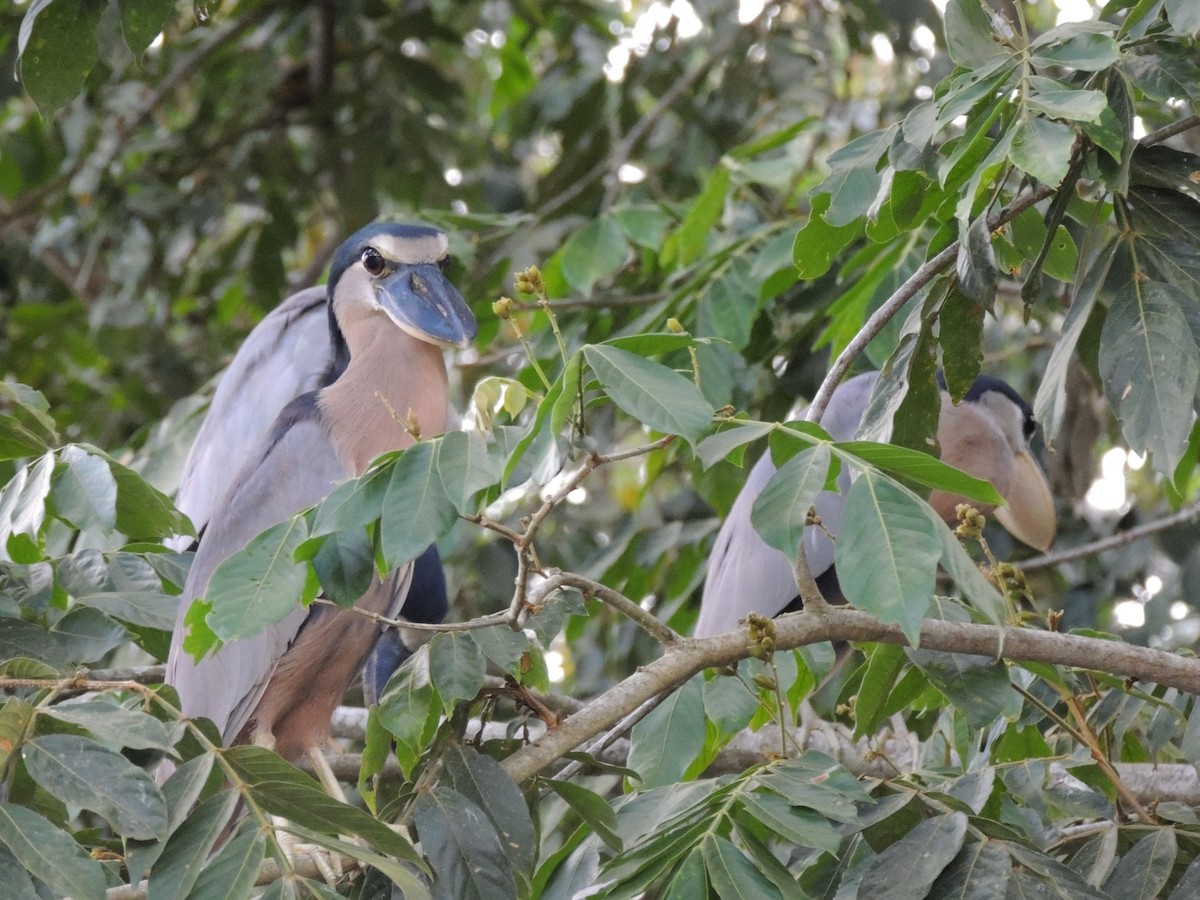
(422, 301)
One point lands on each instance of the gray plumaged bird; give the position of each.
(338, 364)
(987, 435)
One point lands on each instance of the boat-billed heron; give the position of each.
(986, 435)
(291, 352)
(388, 311)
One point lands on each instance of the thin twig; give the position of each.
(1187, 514)
(557, 579)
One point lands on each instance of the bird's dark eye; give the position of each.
(1029, 427)
(373, 261)
(444, 262)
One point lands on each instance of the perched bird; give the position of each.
(288, 354)
(388, 311)
(987, 435)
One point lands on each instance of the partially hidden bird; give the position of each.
(986, 435)
(328, 381)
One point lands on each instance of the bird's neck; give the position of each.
(391, 376)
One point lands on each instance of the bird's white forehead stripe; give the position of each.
(412, 251)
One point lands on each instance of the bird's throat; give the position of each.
(395, 385)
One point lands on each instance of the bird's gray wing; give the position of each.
(285, 356)
(293, 467)
(747, 575)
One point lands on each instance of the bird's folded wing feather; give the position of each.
(292, 468)
(285, 356)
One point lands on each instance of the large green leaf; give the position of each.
(1143, 871)
(260, 584)
(1042, 148)
(595, 252)
(79, 771)
(685, 245)
(780, 512)
(182, 860)
(57, 47)
(922, 468)
(49, 854)
(114, 724)
(284, 790)
(969, 36)
(233, 871)
(462, 847)
(85, 492)
(484, 782)
(887, 553)
(979, 872)
(416, 508)
(732, 874)
(908, 868)
(467, 466)
(1150, 365)
(653, 394)
(456, 666)
(670, 738)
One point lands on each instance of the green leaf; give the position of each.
(57, 47)
(818, 243)
(780, 512)
(685, 245)
(795, 824)
(142, 21)
(1042, 149)
(595, 252)
(462, 847)
(718, 446)
(466, 467)
(921, 468)
(283, 790)
(1143, 871)
(883, 667)
(670, 738)
(23, 502)
(854, 181)
(85, 492)
(234, 870)
(969, 36)
(17, 883)
(503, 646)
(416, 509)
(484, 782)
(79, 771)
(410, 709)
(1150, 366)
(143, 511)
(260, 584)
(456, 667)
(728, 704)
(656, 396)
(1087, 52)
(354, 503)
(345, 566)
(977, 686)
(1077, 105)
(49, 854)
(887, 553)
(732, 874)
(979, 872)
(183, 858)
(113, 724)
(591, 808)
(1184, 16)
(403, 875)
(908, 868)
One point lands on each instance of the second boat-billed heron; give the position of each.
(387, 310)
(986, 435)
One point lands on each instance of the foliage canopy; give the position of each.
(720, 206)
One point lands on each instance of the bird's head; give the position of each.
(987, 435)
(397, 270)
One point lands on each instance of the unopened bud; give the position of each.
(675, 326)
(503, 307)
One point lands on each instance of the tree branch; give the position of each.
(682, 660)
(1048, 560)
